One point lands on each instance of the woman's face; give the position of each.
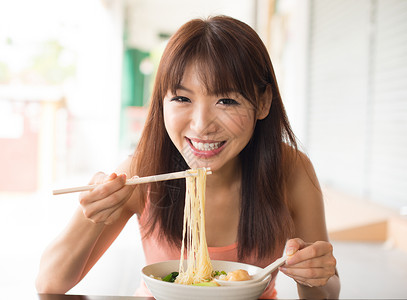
(208, 130)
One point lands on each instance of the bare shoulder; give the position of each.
(304, 196)
(134, 205)
(300, 171)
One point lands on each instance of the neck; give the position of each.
(227, 177)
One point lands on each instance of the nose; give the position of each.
(204, 120)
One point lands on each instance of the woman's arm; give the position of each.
(311, 262)
(102, 215)
(74, 252)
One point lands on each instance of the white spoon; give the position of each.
(259, 276)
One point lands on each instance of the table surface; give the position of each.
(88, 297)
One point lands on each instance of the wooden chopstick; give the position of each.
(132, 181)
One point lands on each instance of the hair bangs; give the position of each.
(219, 75)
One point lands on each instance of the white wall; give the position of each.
(357, 97)
(95, 98)
(288, 46)
(148, 18)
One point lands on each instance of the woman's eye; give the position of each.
(180, 99)
(228, 101)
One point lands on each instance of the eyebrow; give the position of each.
(181, 87)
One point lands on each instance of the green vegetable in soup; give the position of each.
(218, 273)
(171, 277)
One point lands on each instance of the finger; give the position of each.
(316, 262)
(110, 177)
(309, 273)
(311, 282)
(109, 215)
(111, 184)
(325, 261)
(98, 178)
(96, 209)
(314, 250)
(293, 245)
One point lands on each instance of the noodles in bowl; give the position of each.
(163, 290)
(197, 270)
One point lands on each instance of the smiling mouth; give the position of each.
(208, 147)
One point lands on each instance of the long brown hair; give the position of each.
(230, 56)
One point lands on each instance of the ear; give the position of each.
(265, 103)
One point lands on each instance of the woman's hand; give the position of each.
(104, 204)
(309, 264)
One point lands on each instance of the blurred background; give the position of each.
(75, 81)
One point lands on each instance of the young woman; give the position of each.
(215, 104)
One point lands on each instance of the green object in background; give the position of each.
(133, 79)
(133, 88)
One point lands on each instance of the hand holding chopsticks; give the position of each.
(136, 180)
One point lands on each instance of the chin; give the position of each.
(195, 164)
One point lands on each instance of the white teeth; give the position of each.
(205, 146)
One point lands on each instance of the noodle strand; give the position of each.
(199, 266)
